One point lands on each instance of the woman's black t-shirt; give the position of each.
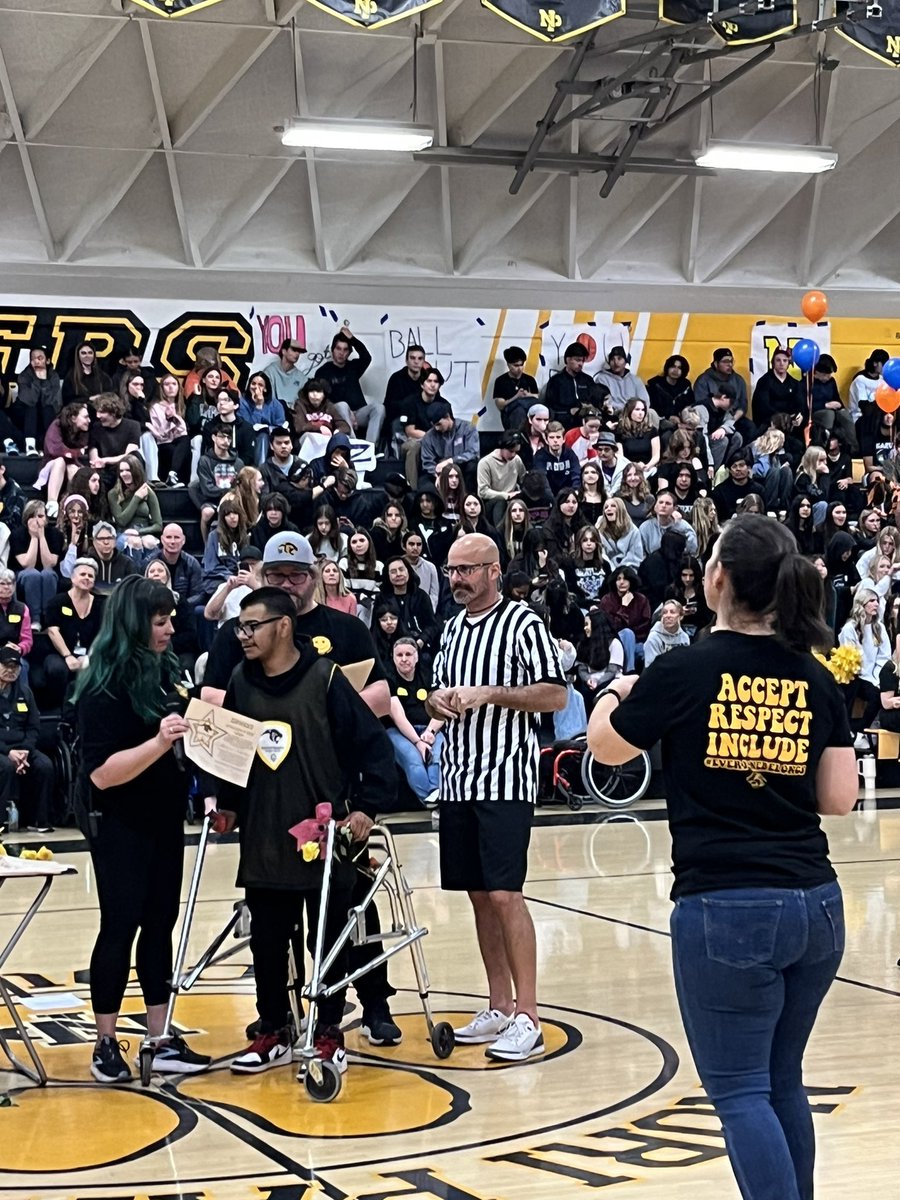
(76, 631)
(889, 718)
(411, 694)
(20, 543)
(743, 723)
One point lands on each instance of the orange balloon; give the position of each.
(814, 306)
(886, 398)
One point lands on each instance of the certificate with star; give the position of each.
(221, 742)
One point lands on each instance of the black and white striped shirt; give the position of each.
(492, 753)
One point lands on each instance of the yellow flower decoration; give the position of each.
(310, 851)
(844, 663)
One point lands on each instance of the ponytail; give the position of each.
(769, 577)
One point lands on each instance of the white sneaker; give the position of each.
(52, 509)
(31, 450)
(520, 1040)
(485, 1026)
(861, 742)
(431, 800)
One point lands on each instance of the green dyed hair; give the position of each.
(121, 658)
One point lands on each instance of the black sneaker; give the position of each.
(107, 1064)
(175, 1057)
(378, 1026)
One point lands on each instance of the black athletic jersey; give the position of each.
(492, 753)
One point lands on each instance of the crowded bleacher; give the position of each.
(604, 494)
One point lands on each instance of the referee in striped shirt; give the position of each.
(496, 669)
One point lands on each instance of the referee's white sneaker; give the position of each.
(520, 1039)
(485, 1026)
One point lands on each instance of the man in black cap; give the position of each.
(26, 775)
(449, 441)
(514, 391)
(622, 385)
(570, 389)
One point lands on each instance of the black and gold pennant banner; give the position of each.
(372, 14)
(744, 29)
(175, 8)
(875, 29)
(557, 22)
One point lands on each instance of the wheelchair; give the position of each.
(569, 774)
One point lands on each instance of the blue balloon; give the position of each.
(891, 373)
(805, 354)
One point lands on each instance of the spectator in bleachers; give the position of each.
(386, 629)
(563, 523)
(241, 436)
(535, 561)
(201, 400)
(135, 508)
(73, 621)
(36, 405)
(15, 619)
(426, 572)
(206, 358)
(837, 520)
(166, 445)
(667, 634)
(35, 549)
(720, 378)
(666, 516)
(449, 440)
(132, 393)
(112, 437)
(813, 481)
(248, 487)
(337, 454)
(688, 591)
(325, 537)
(184, 624)
(343, 375)
(262, 412)
(864, 630)
(621, 384)
(628, 612)
(73, 524)
(660, 569)
(801, 522)
(351, 506)
(128, 364)
(827, 407)
(331, 589)
(314, 412)
(779, 392)
(288, 475)
(600, 656)
(533, 433)
(12, 504)
(185, 572)
(514, 391)
(275, 517)
(416, 739)
(85, 381)
(285, 374)
(65, 450)
(705, 524)
(225, 602)
(637, 437)
(25, 773)
(588, 570)
(362, 572)
(687, 444)
(685, 485)
(416, 422)
(516, 524)
(671, 392)
(620, 540)
(498, 476)
(557, 461)
(737, 487)
(216, 473)
(772, 470)
(571, 389)
(227, 538)
(427, 516)
(718, 421)
(611, 461)
(388, 530)
(451, 487)
(582, 440)
(635, 494)
(88, 482)
(112, 564)
(401, 584)
(865, 383)
(403, 389)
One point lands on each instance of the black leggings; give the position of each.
(274, 915)
(138, 871)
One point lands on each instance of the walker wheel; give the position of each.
(327, 1087)
(442, 1040)
(146, 1060)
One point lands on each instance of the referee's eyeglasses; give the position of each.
(247, 629)
(464, 570)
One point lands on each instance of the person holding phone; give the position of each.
(129, 727)
(756, 747)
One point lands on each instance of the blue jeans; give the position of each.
(420, 778)
(634, 650)
(37, 589)
(752, 966)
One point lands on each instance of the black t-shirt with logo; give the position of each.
(743, 723)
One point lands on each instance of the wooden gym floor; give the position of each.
(615, 1104)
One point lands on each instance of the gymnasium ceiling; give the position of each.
(141, 150)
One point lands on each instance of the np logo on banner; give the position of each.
(556, 23)
(875, 29)
(773, 17)
(372, 14)
(174, 8)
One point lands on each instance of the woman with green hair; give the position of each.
(138, 790)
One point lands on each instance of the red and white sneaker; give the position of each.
(266, 1050)
(329, 1045)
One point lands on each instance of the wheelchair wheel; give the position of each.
(442, 1040)
(327, 1086)
(616, 787)
(145, 1058)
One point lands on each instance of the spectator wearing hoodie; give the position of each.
(262, 412)
(37, 401)
(322, 469)
(721, 374)
(572, 389)
(620, 382)
(343, 375)
(557, 461)
(779, 392)
(672, 391)
(865, 383)
(666, 634)
(241, 433)
(499, 475)
(314, 412)
(428, 518)
(216, 473)
(666, 516)
(112, 564)
(660, 570)
(449, 441)
(612, 462)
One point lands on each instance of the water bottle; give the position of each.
(12, 817)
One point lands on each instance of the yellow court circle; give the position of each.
(76, 1128)
(373, 1101)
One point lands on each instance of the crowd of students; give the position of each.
(604, 496)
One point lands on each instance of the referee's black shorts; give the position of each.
(484, 845)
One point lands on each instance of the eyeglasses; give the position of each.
(248, 629)
(276, 579)
(465, 571)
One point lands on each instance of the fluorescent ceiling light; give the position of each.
(333, 133)
(777, 160)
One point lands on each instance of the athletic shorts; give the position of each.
(484, 845)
